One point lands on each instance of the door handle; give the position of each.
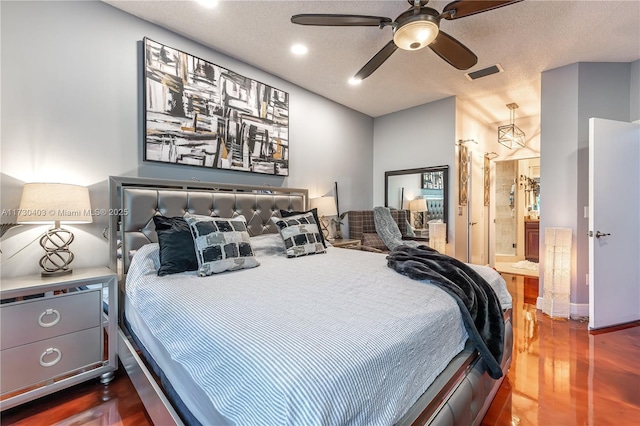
(600, 234)
(472, 223)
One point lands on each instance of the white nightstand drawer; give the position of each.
(39, 361)
(40, 319)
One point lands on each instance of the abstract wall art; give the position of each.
(200, 114)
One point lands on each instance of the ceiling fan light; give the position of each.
(416, 34)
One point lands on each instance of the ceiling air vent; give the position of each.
(493, 69)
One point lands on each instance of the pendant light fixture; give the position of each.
(510, 135)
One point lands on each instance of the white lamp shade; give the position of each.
(50, 202)
(326, 206)
(418, 205)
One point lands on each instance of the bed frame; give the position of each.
(461, 394)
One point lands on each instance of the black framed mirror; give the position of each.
(428, 183)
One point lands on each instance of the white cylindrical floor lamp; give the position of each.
(438, 236)
(557, 272)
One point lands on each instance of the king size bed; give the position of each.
(284, 336)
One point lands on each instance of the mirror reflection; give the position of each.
(424, 191)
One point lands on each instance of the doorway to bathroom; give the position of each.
(517, 216)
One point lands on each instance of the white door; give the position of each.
(614, 223)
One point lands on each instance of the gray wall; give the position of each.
(71, 112)
(635, 91)
(570, 96)
(421, 136)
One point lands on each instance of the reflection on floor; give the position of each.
(563, 375)
(507, 268)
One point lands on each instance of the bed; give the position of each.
(332, 338)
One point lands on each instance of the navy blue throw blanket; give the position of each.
(478, 303)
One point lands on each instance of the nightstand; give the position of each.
(54, 333)
(345, 243)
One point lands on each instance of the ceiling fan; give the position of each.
(417, 27)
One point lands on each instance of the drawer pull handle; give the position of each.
(47, 313)
(49, 352)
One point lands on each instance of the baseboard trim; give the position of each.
(579, 310)
(576, 310)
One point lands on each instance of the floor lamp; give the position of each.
(438, 236)
(557, 272)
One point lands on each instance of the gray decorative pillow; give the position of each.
(301, 234)
(221, 244)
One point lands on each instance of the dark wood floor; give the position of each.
(561, 375)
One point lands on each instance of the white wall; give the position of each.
(71, 112)
(421, 136)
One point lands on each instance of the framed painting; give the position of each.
(200, 114)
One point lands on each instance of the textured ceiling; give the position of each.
(525, 38)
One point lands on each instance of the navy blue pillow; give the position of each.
(177, 250)
(314, 212)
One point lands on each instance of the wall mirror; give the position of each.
(428, 183)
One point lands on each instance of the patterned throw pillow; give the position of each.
(314, 211)
(300, 234)
(221, 244)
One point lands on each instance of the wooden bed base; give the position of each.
(460, 395)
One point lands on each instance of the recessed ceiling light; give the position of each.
(209, 4)
(354, 81)
(299, 49)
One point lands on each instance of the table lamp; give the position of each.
(418, 207)
(326, 207)
(44, 203)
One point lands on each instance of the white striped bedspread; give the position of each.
(327, 339)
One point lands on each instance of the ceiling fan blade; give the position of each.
(377, 60)
(340, 20)
(461, 8)
(455, 53)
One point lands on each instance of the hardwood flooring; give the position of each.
(561, 375)
(89, 404)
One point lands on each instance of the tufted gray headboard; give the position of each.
(136, 200)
